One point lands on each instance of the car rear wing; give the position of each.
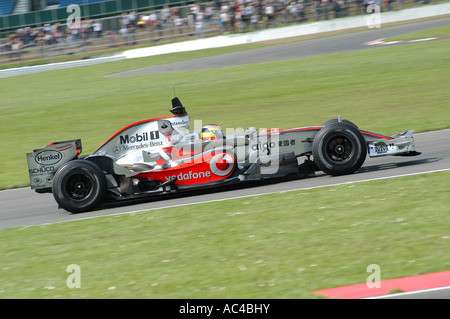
(43, 163)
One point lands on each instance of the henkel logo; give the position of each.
(48, 157)
(189, 176)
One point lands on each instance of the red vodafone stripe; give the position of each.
(414, 283)
(278, 131)
(376, 135)
(311, 128)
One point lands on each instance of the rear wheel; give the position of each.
(79, 186)
(339, 148)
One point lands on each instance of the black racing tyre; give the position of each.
(79, 186)
(332, 121)
(339, 149)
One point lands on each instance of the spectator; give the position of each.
(342, 7)
(155, 27)
(111, 34)
(301, 10)
(325, 8)
(132, 18)
(165, 15)
(254, 18)
(270, 14)
(124, 34)
(178, 22)
(232, 16)
(16, 45)
(293, 12)
(224, 18)
(336, 9)
(199, 28)
(124, 20)
(209, 13)
(246, 15)
(317, 10)
(194, 10)
(98, 28)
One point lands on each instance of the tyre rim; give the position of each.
(339, 148)
(78, 186)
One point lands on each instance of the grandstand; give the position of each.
(65, 3)
(7, 7)
(105, 24)
(52, 11)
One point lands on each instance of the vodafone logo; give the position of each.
(189, 176)
(215, 166)
(222, 164)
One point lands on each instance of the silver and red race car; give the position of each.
(162, 155)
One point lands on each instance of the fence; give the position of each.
(94, 36)
(87, 10)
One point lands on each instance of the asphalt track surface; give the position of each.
(23, 207)
(354, 41)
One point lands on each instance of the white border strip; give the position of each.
(292, 190)
(400, 294)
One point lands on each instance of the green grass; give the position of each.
(438, 32)
(388, 90)
(248, 248)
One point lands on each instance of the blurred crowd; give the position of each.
(195, 19)
(46, 37)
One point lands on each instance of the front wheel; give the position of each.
(79, 186)
(339, 149)
(333, 121)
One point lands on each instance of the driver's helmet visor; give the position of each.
(212, 133)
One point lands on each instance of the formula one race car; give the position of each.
(162, 155)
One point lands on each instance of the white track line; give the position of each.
(382, 42)
(409, 293)
(247, 196)
(292, 190)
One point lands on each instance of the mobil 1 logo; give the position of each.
(139, 138)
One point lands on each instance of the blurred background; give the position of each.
(43, 31)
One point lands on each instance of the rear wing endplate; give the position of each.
(43, 163)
